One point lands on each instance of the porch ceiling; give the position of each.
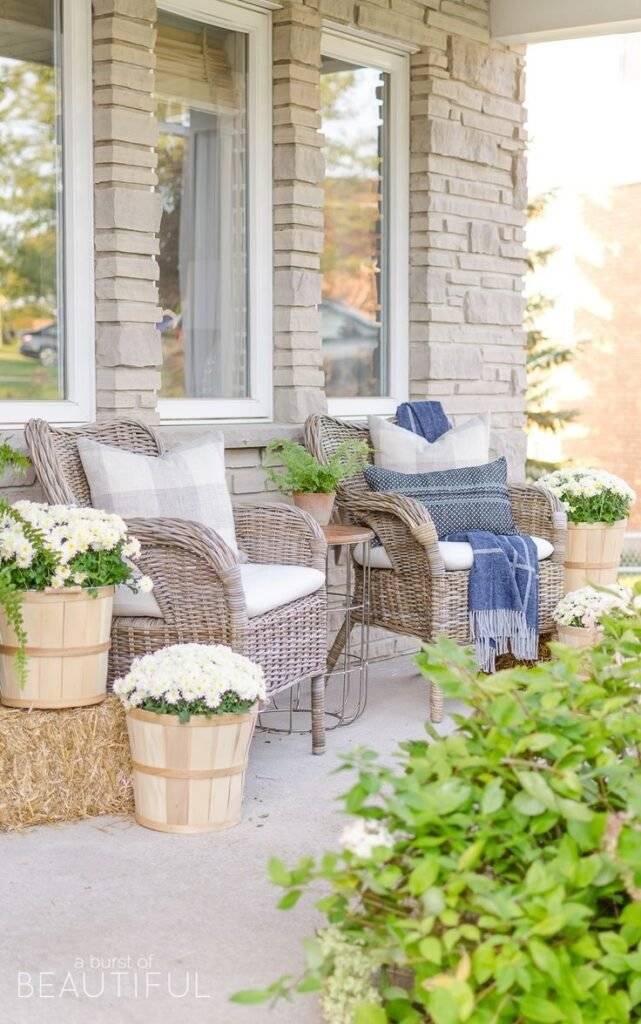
(526, 21)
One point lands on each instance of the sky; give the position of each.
(580, 94)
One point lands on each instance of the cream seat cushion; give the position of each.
(456, 555)
(271, 586)
(266, 587)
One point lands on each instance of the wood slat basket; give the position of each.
(593, 553)
(67, 649)
(189, 777)
(579, 636)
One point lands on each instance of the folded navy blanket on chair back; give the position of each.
(427, 419)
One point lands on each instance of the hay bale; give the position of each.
(63, 765)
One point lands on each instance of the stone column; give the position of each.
(298, 214)
(468, 201)
(127, 209)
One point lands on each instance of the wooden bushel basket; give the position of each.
(579, 636)
(189, 777)
(67, 649)
(593, 553)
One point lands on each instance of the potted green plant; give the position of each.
(58, 570)
(311, 484)
(191, 711)
(598, 505)
(492, 875)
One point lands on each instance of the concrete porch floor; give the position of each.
(190, 919)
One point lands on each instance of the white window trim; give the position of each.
(78, 283)
(344, 46)
(257, 25)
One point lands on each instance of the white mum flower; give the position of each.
(362, 836)
(191, 672)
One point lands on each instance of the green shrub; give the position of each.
(303, 472)
(506, 884)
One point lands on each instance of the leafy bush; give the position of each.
(305, 473)
(505, 883)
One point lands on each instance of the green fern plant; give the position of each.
(10, 457)
(302, 472)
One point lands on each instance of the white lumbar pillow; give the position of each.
(456, 555)
(401, 450)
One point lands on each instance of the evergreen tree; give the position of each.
(544, 354)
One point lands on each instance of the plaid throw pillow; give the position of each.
(186, 483)
(470, 498)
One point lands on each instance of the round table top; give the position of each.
(337, 533)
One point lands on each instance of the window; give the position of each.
(364, 308)
(213, 106)
(46, 289)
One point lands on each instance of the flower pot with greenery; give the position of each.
(598, 505)
(492, 875)
(580, 613)
(191, 712)
(311, 484)
(58, 570)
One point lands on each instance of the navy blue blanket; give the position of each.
(427, 419)
(503, 596)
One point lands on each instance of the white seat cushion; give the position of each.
(135, 605)
(457, 555)
(271, 586)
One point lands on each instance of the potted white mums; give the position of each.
(191, 712)
(58, 569)
(578, 615)
(598, 505)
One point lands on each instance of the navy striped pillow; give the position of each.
(467, 498)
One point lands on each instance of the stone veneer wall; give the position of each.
(467, 197)
(127, 209)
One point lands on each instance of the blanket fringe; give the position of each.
(500, 630)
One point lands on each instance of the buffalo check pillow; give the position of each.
(186, 483)
(469, 498)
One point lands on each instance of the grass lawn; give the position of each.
(24, 379)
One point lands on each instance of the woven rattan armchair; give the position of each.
(196, 576)
(417, 596)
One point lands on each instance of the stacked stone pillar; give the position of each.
(468, 201)
(298, 214)
(127, 209)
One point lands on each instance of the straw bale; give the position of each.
(63, 765)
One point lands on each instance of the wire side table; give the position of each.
(352, 666)
(353, 663)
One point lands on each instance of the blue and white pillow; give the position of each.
(469, 498)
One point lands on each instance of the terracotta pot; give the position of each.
(189, 776)
(593, 553)
(319, 506)
(67, 649)
(579, 636)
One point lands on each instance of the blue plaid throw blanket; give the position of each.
(503, 596)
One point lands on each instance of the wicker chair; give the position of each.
(417, 596)
(196, 576)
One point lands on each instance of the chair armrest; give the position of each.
(403, 525)
(280, 534)
(196, 577)
(539, 513)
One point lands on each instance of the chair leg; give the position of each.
(318, 714)
(436, 703)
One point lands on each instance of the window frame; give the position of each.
(256, 24)
(77, 231)
(344, 46)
